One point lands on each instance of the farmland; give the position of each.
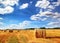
(30, 36)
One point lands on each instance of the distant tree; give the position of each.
(56, 28)
(42, 28)
(30, 29)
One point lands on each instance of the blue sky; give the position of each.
(20, 14)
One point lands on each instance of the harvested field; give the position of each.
(30, 36)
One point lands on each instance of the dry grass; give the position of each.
(32, 36)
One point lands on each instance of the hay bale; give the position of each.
(39, 34)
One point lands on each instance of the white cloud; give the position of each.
(23, 6)
(11, 26)
(42, 4)
(24, 24)
(56, 3)
(7, 4)
(51, 7)
(53, 24)
(46, 16)
(44, 19)
(45, 4)
(21, 25)
(1, 18)
(34, 17)
(7, 9)
(48, 7)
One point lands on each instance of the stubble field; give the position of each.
(30, 36)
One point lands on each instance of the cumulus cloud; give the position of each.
(42, 4)
(54, 18)
(46, 16)
(36, 17)
(45, 4)
(6, 10)
(48, 7)
(23, 6)
(7, 6)
(9, 2)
